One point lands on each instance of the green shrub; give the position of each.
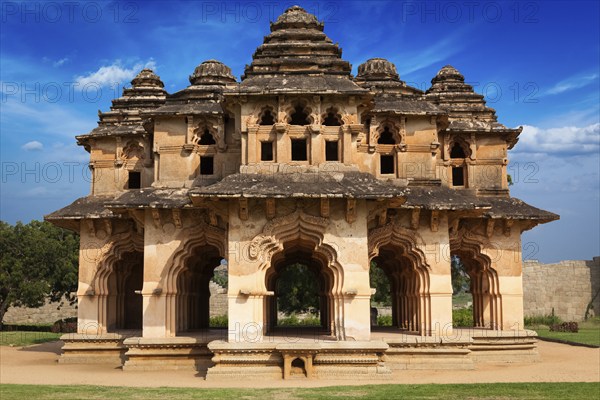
(384, 320)
(547, 320)
(219, 321)
(462, 317)
(293, 320)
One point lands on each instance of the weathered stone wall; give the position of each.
(567, 287)
(218, 300)
(46, 314)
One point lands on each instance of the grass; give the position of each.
(446, 392)
(24, 338)
(589, 333)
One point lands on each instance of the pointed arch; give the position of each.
(303, 232)
(485, 287)
(405, 263)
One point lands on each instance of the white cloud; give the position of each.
(34, 145)
(573, 82)
(60, 62)
(114, 74)
(567, 140)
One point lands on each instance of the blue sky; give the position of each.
(538, 63)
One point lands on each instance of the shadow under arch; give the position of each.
(395, 250)
(484, 286)
(117, 283)
(186, 281)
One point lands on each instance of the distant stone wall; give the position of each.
(567, 287)
(218, 300)
(49, 313)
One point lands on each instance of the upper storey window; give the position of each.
(267, 118)
(134, 180)
(386, 137)
(207, 139)
(299, 116)
(332, 118)
(457, 151)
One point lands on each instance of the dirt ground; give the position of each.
(38, 365)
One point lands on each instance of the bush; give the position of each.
(293, 320)
(384, 320)
(547, 320)
(565, 327)
(219, 321)
(67, 325)
(462, 317)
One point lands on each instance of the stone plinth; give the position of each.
(427, 352)
(105, 348)
(336, 360)
(166, 353)
(504, 346)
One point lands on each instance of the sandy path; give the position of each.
(37, 365)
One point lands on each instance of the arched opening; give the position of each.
(267, 117)
(124, 300)
(457, 151)
(194, 290)
(386, 136)
(299, 116)
(457, 154)
(302, 293)
(332, 117)
(381, 301)
(406, 289)
(483, 287)
(462, 298)
(298, 368)
(206, 139)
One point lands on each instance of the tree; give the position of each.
(297, 289)
(381, 283)
(460, 278)
(37, 261)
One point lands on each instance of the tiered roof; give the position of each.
(126, 113)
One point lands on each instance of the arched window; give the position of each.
(457, 151)
(386, 137)
(206, 139)
(299, 116)
(332, 117)
(267, 118)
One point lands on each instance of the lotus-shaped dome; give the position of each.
(212, 72)
(377, 69)
(448, 73)
(296, 17)
(147, 78)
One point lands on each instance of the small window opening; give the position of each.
(299, 152)
(331, 151)
(207, 139)
(386, 137)
(458, 176)
(457, 151)
(387, 164)
(207, 165)
(135, 180)
(266, 151)
(267, 118)
(298, 367)
(299, 117)
(332, 120)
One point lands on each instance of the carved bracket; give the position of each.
(243, 208)
(415, 218)
(350, 210)
(270, 209)
(435, 220)
(325, 208)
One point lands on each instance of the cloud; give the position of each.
(60, 62)
(573, 82)
(34, 145)
(114, 74)
(567, 140)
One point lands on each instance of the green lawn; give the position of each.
(589, 333)
(446, 392)
(26, 338)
